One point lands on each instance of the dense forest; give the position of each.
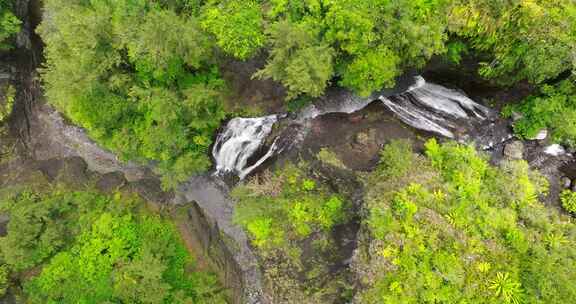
(142, 76)
(429, 221)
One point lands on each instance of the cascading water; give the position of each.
(421, 105)
(241, 138)
(434, 108)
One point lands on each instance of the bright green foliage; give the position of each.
(554, 109)
(292, 218)
(148, 93)
(9, 24)
(96, 249)
(507, 289)
(7, 95)
(460, 231)
(237, 25)
(396, 158)
(376, 39)
(568, 200)
(296, 208)
(527, 39)
(372, 71)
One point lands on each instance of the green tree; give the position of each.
(149, 94)
(298, 59)
(9, 24)
(237, 26)
(141, 281)
(531, 40)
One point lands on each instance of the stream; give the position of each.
(423, 106)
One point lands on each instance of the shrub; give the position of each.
(568, 200)
(477, 234)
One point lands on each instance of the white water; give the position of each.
(434, 108)
(423, 105)
(555, 150)
(348, 104)
(241, 138)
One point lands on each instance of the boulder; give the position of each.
(542, 135)
(516, 116)
(514, 150)
(110, 182)
(565, 182)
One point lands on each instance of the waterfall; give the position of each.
(420, 104)
(240, 139)
(434, 108)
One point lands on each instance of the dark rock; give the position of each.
(74, 171)
(51, 168)
(111, 182)
(151, 190)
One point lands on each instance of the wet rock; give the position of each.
(111, 182)
(516, 116)
(365, 138)
(542, 135)
(555, 150)
(566, 182)
(514, 150)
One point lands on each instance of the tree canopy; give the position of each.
(143, 76)
(93, 248)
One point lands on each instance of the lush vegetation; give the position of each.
(84, 247)
(9, 24)
(461, 231)
(568, 200)
(554, 109)
(284, 213)
(142, 76)
(151, 93)
(7, 96)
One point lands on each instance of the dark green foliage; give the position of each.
(298, 59)
(554, 109)
(149, 93)
(9, 24)
(397, 158)
(461, 231)
(531, 40)
(96, 249)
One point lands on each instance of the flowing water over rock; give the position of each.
(434, 108)
(419, 104)
(241, 138)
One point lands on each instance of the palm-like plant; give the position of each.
(506, 288)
